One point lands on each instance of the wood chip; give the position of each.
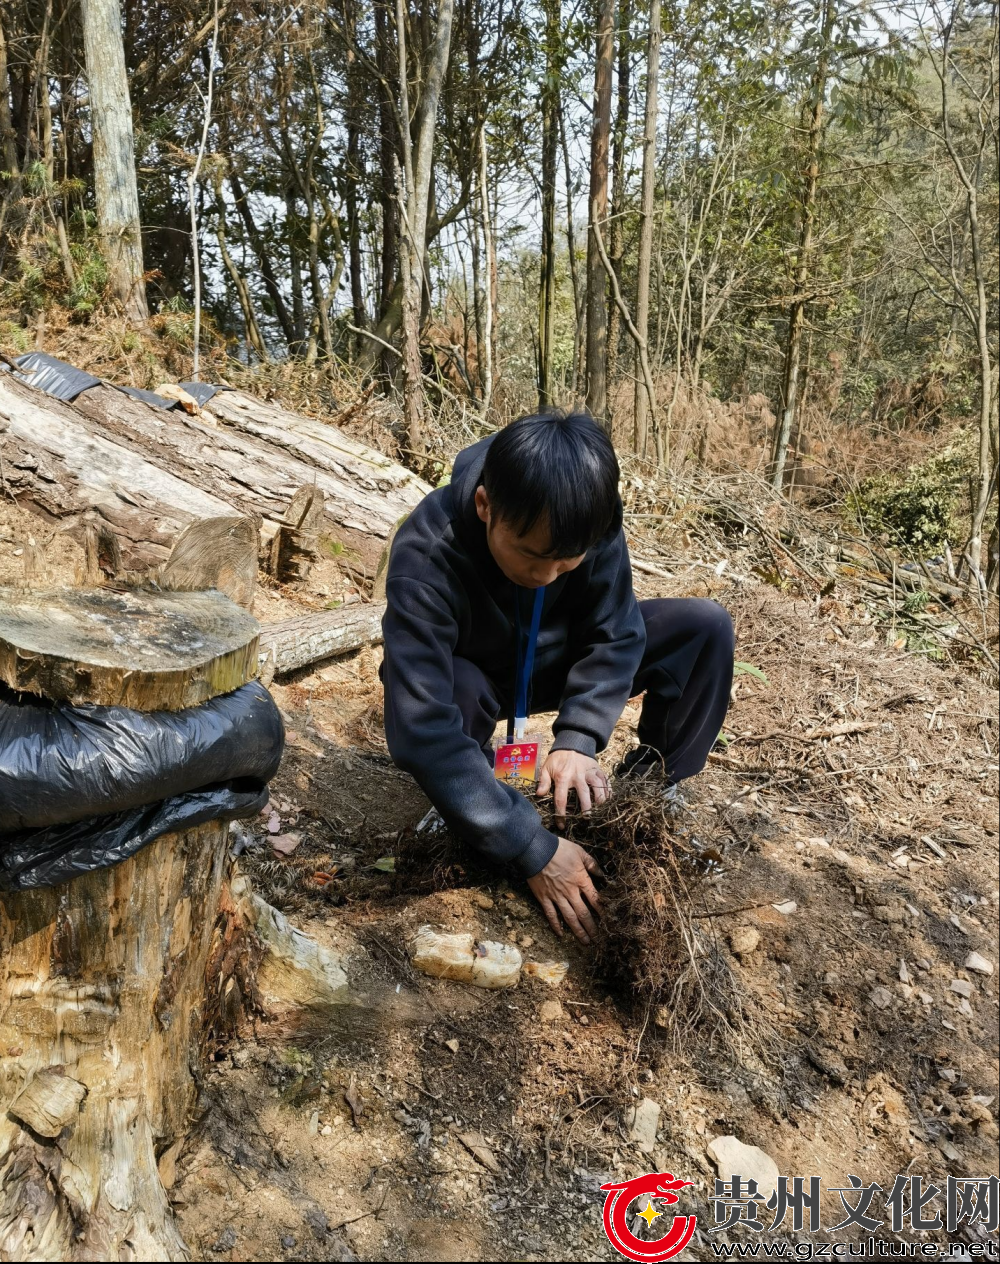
(352, 1099)
(476, 1145)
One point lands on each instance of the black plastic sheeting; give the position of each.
(202, 391)
(54, 377)
(148, 397)
(83, 788)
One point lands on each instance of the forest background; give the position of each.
(750, 234)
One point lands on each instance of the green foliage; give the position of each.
(14, 338)
(916, 601)
(298, 1059)
(920, 509)
(85, 294)
(176, 321)
(748, 669)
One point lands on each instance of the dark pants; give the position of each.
(686, 674)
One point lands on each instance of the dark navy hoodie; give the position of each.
(447, 597)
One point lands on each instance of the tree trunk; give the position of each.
(803, 268)
(267, 272)
(418, 172)
(148, 473)
(254, 337)
(616, 233)
(388, 157)
(115, 190)
(8, 145)
(355, 175)
(550, 143)
(579, 301)
(102, 997)
(410, 273)
(597, 308)
(489, 318)
(642, 418)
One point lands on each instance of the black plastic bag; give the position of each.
(85, 787)
(54, 377)
(45, 857)
(202, 391)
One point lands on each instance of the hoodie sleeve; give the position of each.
(607, 651)
(423, 727)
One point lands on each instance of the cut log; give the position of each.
(102, 980)
(296, 542)
(219, 553)
(309, 638)
(325, 447)
(145, 650)
(258, 470)
(72, 471)
(148, 473)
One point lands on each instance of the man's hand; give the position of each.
(567, 770)
(564, 890)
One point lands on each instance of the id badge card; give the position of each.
(516, 763)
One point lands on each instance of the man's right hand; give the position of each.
(565, 891)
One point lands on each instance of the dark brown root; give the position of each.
(653, 948)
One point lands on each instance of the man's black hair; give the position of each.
(557, 467)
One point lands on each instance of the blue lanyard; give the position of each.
(525, 662)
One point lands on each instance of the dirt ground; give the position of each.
(852, 811)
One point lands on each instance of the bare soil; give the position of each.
(852, 810)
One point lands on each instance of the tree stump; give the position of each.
(296, 543)
(102, 980)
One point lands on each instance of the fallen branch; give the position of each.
(844, 729)
(309, 638)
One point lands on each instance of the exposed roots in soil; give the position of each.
(652, 947)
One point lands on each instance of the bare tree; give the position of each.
(977, 309)
(418, 160)
(550, 143)
(597, 309)
(803, 263)
(644, 264)
(115, 190)
(619, 155)
(489, 322)
(192, 184)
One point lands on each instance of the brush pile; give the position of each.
(656, 947)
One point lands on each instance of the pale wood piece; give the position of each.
(148, 473)
(258, 467)
(72, 469)
(151, 651)
(295, 643)
(170, 390)
(296, 542)
(220, 553)
(103, 979)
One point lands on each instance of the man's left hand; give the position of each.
(567, 770)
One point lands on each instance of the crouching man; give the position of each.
(510, 590)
